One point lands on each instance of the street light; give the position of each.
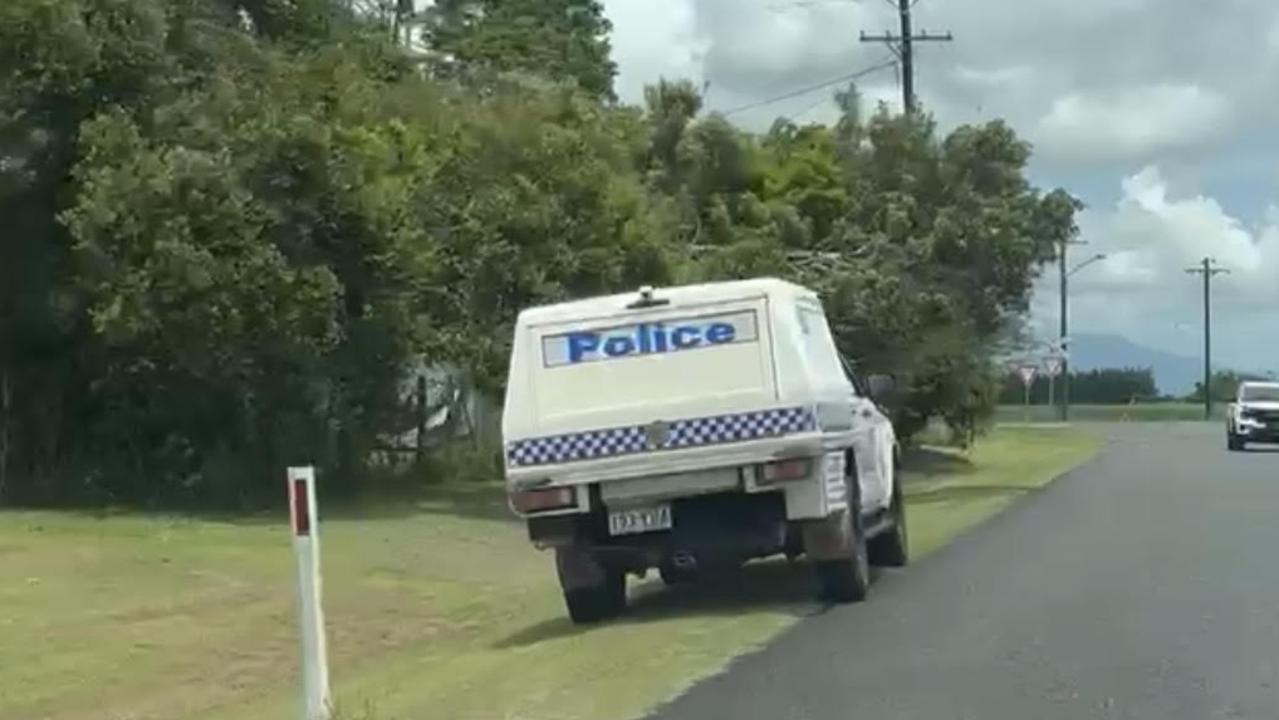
(1065, 329)
(1095, 258)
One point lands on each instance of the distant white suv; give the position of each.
(1254, 415)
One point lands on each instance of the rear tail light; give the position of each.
(794, 469)
(535, 501)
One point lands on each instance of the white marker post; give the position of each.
(306, 550)
(1027, 373)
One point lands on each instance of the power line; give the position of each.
(796, 116)
(902, 46)
(808, 4)
(811, 88)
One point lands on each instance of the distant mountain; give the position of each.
(1174, 374)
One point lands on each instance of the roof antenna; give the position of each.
(646, 299)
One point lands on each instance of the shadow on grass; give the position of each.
(923, 463)
(965, 492)
(774, 585)
(477, 501)
(482, 501)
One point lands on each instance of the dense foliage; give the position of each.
(1108, 386)
(233, 227)
(1225, 385)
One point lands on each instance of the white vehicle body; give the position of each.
(1254, 415)
(626, 406)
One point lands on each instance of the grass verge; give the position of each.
(1139, 412)
(436, 610)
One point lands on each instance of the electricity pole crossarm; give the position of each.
(893, 41)
(1208, 270)
(902, 46)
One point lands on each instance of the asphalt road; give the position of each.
(1144, 586)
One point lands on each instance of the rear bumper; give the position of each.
(718, 528)
(733, 474)
(670, 462)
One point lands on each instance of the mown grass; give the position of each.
(1139, 412)
(436, 609)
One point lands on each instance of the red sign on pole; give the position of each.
(1052, 365)
(301, 499)
(1027, 373)
(301, 509)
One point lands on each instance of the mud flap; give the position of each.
(829, 538)
(578, 569)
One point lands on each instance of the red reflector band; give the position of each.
(301, 508)
(532, 501)
(795, 469)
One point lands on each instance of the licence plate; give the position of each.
(639, 520)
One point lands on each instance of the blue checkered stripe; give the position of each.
(692, 432)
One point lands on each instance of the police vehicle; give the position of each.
(1253, 416)
(694, 428)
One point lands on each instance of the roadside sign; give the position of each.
(1052, 365)
(1027, 373)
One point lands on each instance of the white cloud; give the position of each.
(654, 39)
(1150, 237)
(994, 78)
(1181, 231)
(1177, 65)
(1132, 122)
(1102, 87)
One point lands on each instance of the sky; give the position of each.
(1161, 115)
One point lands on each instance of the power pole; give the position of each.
(402, 23)
(903, 47)
(1207, 270)
(1063, 339)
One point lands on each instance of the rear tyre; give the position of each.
(889, 548)
(672, 575)
(847, 580)
(592, 591)
(1234, 442)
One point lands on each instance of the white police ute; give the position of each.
(694, 428)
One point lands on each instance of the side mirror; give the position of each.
(881, 386)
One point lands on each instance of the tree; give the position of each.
(557, 39)
(1225, 385)
(807, 175)
(61, 62)
(925, 250)
(240, 225)
(540, 202)
(1106, 386)
(669, 108)
(249, 251)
